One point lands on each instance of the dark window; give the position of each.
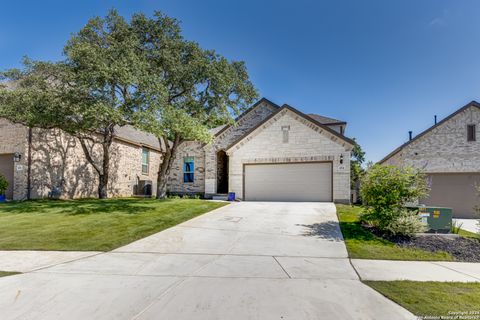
(188, 169)
(145, 160)
(471, 134)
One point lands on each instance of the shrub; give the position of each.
(405, 223)
(385, 191)
(3, 185)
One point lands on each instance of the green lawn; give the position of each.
(432, 298)
(6, 273)
(468, 234)
(91, 224)
(362, 244)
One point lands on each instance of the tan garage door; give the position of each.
(6, 170)
(455, 190)
(288, 182)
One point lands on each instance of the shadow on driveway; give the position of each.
(329, 230)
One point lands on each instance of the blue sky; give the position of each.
(386, 67)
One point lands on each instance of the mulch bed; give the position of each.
(463, 249)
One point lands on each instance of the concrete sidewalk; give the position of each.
(26, 261)
(389, 270)
(471, 225)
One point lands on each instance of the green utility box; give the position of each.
(438, 220)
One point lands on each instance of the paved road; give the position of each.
(248, 260)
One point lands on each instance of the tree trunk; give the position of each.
(164, 168)
(103, 172)
(102, 187)
(103, 178)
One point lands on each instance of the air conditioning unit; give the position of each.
(144, 188)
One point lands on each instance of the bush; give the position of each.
(385, 191)
(405, 223)
(3, 185)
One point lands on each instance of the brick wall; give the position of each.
(445, 148)
(58, 161)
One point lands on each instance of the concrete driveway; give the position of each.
(249, 260)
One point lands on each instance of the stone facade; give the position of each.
(248, 120)
(445, 148)
(14, 139)
(206, 162)
(58, 161)
(175, 179)
(306, 143)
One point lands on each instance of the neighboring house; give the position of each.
(272, 153)
(58, 163)
(449, 152)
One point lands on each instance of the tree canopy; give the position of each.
(141, 72)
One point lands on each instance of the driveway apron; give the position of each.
(248, 260)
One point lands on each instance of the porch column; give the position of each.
(210, 170)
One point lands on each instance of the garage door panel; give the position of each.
(288, 182)
(455, 190)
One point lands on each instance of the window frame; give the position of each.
(147, 164)
(192, 169)
(471, 132)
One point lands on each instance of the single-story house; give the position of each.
(37, 162)
(449, 153)
(272, 153)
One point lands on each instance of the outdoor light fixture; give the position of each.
(17, 157)
(341, 158)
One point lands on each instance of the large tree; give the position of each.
(93, 91)
(195, 89)
(142, 73)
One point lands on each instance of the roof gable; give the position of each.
(218, 131)
(319, 125)
(326, 120)
(473, 104)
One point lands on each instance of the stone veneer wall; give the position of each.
(59, 161)
(445, 148)
(307, 142)
(243, 125)
(175, 178)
